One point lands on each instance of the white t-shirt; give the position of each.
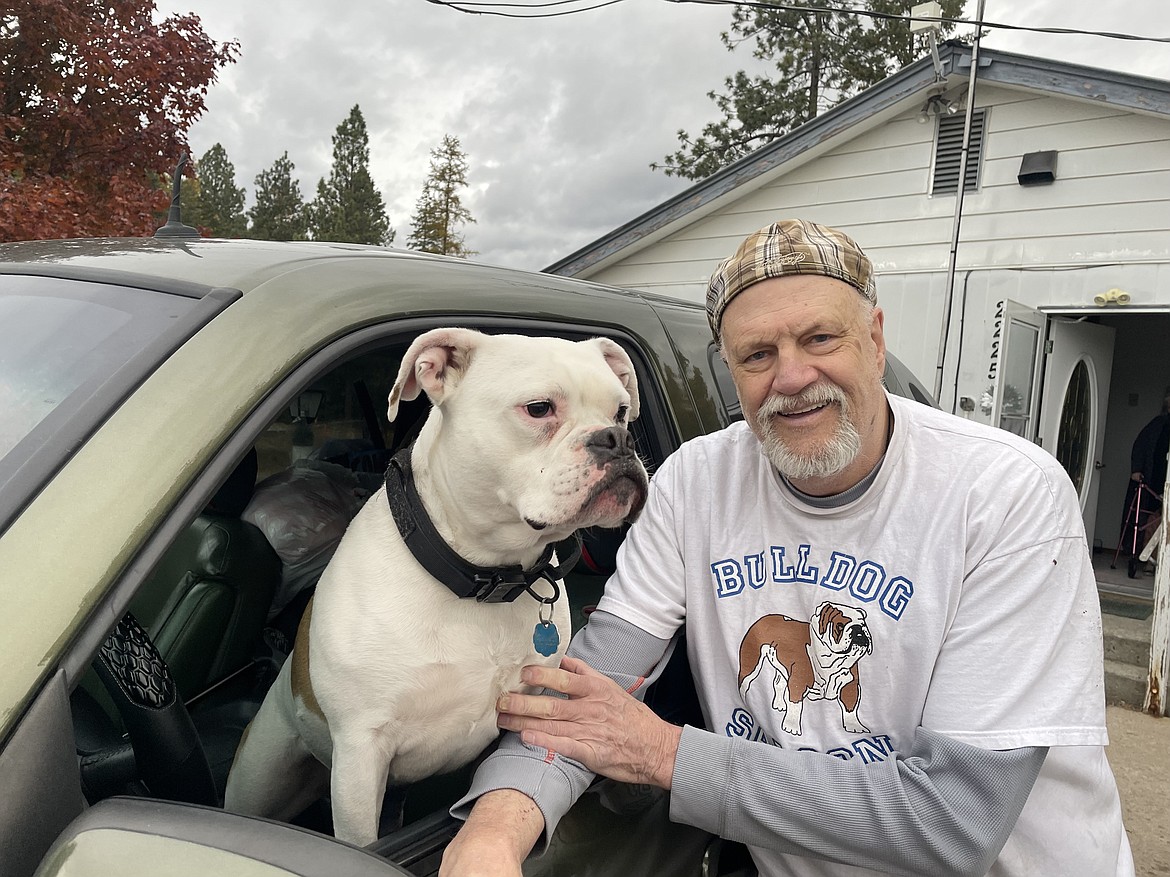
(956, 593)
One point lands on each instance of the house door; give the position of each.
(1017, 385)
(1075, 399)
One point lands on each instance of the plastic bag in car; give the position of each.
(303, 511)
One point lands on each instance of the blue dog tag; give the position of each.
(545, 638)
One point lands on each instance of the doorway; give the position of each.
(1140, 376)
(1096, 378)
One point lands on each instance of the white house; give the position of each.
(1054, 323)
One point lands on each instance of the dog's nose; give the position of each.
(610, 444)
(859, 638)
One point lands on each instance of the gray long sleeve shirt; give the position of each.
(943, 807)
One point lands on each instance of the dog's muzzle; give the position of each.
(612, 449)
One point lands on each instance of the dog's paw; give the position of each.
(791, 725)
(854, 726)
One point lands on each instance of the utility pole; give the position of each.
(927, 11)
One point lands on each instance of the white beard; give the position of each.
(832, 457)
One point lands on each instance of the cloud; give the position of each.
(560, 118)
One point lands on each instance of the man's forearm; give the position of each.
(944, 807)
(500, 831)
(627, 655)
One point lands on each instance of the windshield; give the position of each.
(59, 341)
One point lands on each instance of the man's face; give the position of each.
(807, 356)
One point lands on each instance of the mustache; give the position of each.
(812, 397)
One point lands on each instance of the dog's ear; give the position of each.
(618, 360)
(433, 365)
(826, 615)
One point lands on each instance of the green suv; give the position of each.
(159, 401)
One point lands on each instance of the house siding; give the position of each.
(1111, 199)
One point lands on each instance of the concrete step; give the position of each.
(1127, 640)
(1127, 659)
(1125, 684)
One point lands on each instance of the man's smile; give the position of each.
(801, 412)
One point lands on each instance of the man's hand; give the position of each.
(600, 725)
(499, 833)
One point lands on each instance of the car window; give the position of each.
(341, 418)
(725, 385)
(902, 382)
(60, 339)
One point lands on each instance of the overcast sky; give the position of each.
(560, 118)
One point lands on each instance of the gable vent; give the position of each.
(949, 150)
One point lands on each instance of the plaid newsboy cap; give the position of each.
(790, 246)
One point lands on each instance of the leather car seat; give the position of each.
(206, 603)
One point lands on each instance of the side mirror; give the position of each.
(122, 835)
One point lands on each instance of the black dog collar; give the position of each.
(487, 584)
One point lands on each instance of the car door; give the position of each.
(38, 765)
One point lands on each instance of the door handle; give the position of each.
(1097, 464)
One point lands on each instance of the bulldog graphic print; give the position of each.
(810, 660)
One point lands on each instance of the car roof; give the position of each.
(195, 266)
(206, 262)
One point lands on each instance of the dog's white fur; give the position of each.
(392, 677)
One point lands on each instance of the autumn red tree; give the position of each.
(96, 98)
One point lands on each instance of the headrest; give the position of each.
(233, 495)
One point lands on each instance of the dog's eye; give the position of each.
(622, 412)
(540, 409)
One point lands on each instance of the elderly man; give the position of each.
(891, 619)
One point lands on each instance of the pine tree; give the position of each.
(219, 201)
(822, 56)
(440, 211)
(190, 204)
(348, 206)
(279, 213)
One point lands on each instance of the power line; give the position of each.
(508, 5)
(487, 8)
(891, 17)
(484, 7)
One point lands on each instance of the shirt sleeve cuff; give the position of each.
(702, 771)
(544, 782)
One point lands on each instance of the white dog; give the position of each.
(393, 676)
(813, 660)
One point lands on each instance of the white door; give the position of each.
(1016, 392)
(1074, 403)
